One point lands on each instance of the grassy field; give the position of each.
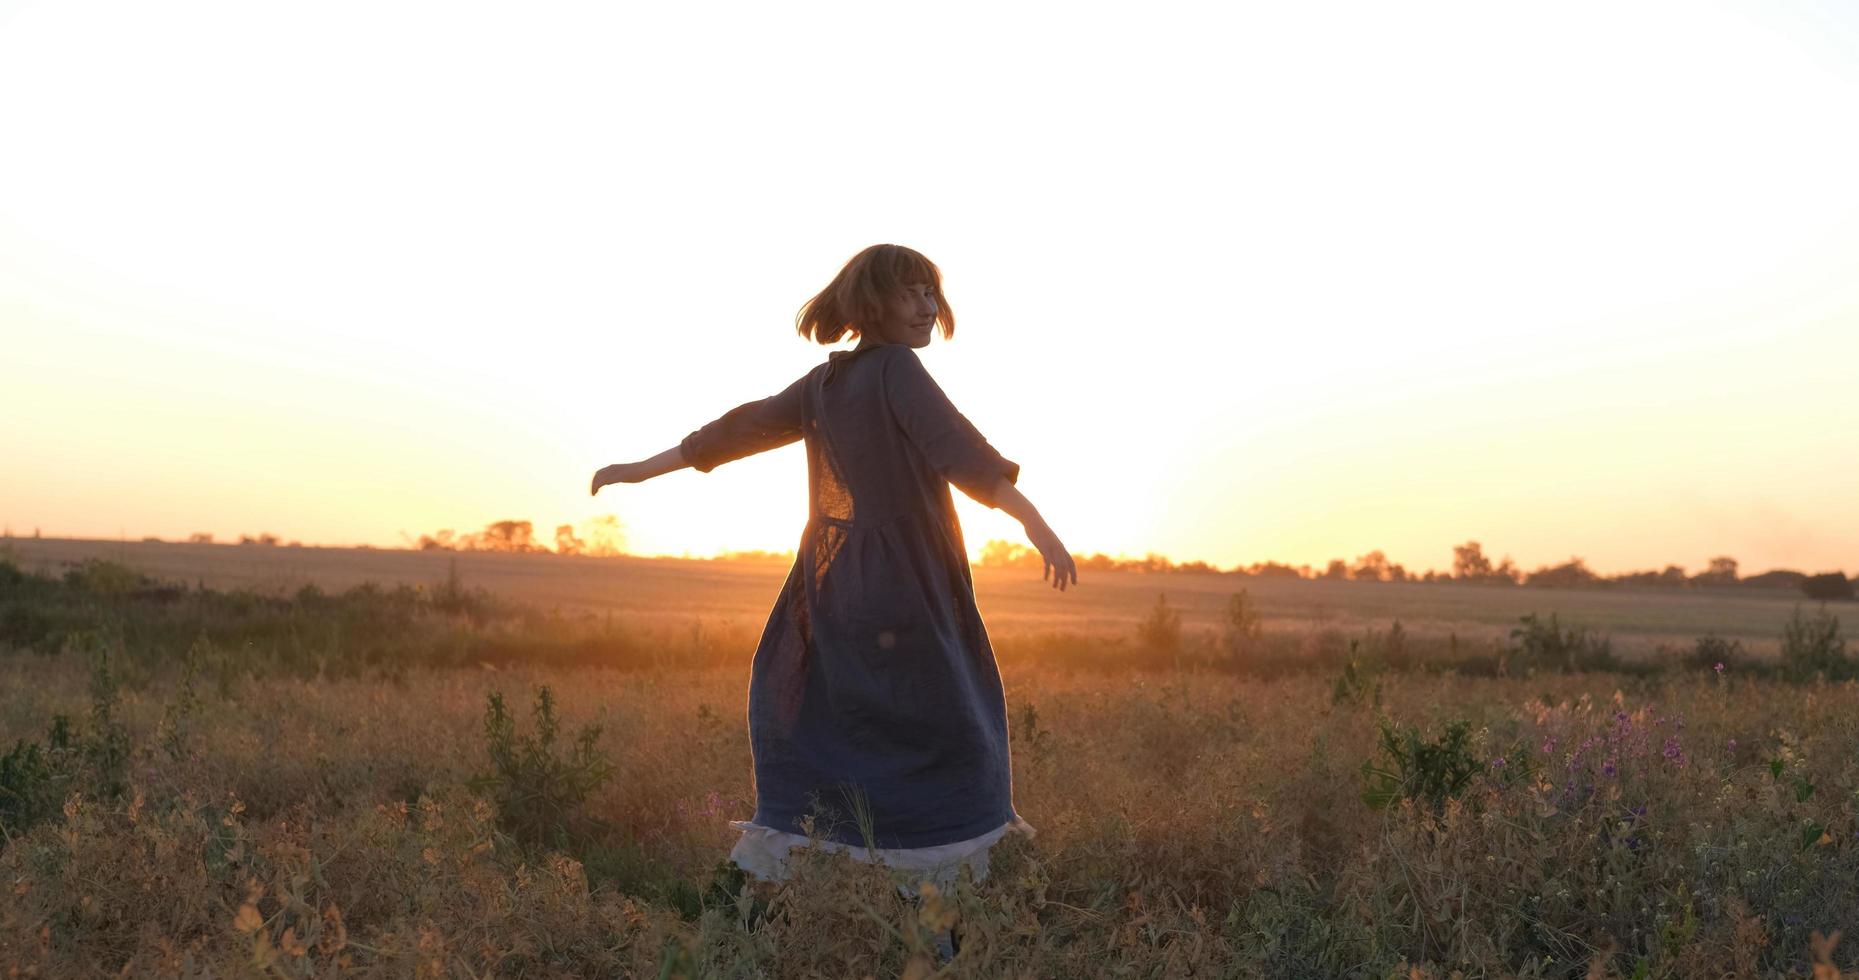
(249, 784)
(676, 593)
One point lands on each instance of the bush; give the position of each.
(1242, 626)
(106, 745)
(1357, 685)
(11, 575)
(538, 795)
(1420, 770)
(1390, 649)
(177, 719)
(1711, 650)
(33, 777)
(1812, 646)
(1160, 631)
(1826, 587)
(1545, 644)
(99, 577)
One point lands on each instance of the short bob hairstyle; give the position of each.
(855, 299)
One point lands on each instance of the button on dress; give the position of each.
(875, 703)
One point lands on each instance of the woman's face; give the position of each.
(910, 316)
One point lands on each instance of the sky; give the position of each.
(1233, 282)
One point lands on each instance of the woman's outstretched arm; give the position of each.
(749, 428)
(665, 462)
(1059, 564)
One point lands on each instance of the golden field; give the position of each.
(275, 782)
(675, 592)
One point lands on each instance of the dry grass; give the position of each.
(1191, 823)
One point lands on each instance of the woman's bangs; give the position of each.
(908, 267)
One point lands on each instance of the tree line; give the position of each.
(604, 536)
(1470, 566)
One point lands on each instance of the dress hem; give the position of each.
(762, 852)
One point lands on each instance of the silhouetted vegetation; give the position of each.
(1160, 632)
(1572, 574)
(600, 537)
(1813, 646)
(1826, 587)
(1540, 644)
(1470, 566)
(1242, 628)
(1715, 653)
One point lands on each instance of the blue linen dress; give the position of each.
(875, 702)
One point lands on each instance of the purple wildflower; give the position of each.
(1608, 767)
(1673, 752)
(1497, 763)
(1719, 668)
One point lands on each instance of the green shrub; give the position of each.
(177, 719)
(11, 575)
(539, 795)
(99, 577)
(1357, 685)
(1711, 650)
(1812, 646)
(33, 778)
(106, 743)
(1414, 768)
(1541, 644)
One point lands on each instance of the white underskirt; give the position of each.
(762, 852)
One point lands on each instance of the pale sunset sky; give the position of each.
(1233, 282)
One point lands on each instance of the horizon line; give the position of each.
(1307, 570)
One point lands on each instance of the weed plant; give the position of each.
(1242, 627)
(540, 795)
(1812, 646)
(1412, 767)
(1159, 633)
(1543, 644)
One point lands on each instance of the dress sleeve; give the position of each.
(946, 438)
(747, 429)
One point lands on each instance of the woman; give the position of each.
(876, 715)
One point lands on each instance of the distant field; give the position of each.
(671, 591)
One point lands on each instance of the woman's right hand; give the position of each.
(1058, 565)
(617, 473)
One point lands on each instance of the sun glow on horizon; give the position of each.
(1233, 285)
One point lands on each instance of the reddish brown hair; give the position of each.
(855, 299)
